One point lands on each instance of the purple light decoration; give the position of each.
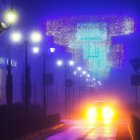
(81, 34)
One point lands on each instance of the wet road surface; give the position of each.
(82, 130)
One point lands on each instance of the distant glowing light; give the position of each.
(16, 37)
(94, 79)
(88, 75)
(74, 72)
(79, 68)
(59, 62)
(84, 72)
(35, 50)
(71, 62)
(36, 37)
(99, 83)
(52, 50)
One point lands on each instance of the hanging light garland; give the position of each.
(88, 38)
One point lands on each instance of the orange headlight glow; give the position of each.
(107, 113)
(91, 115)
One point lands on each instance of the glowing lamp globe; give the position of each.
(35, 50)
(36, 37)
(84, 72)
(79, 68)
(59, 63)
(16, 37)
(71, 63)
(52, 50)
(10, 16)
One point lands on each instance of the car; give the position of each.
(100, 111)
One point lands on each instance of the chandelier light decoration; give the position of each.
(89, 39)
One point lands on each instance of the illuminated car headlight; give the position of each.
(91, 115)
(107, 113)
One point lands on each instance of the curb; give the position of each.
(46, 131)
(131, 133)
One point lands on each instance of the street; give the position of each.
(82, 130)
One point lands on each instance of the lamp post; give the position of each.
(35, 37)
(52, 50)
(80, 73)
(44, 84)
(79, 82)
(74, 73)
(10, 17)
(66, 83)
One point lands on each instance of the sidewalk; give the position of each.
(46, 132)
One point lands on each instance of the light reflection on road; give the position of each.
(81, 130)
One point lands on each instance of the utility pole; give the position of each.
(79, 89)
(26, 75)
(65, 90)
(73, 92)
(44, 84)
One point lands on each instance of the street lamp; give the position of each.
(94, 79)
(88, 75)
(59, 62)
(10, 16)
(84, 72)
(52, 50)
(16, 37)
(35, 50)
(70, 63)
(74, 72)
(45, 101)
(79, 68)
(35, 37)
(99, 83)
